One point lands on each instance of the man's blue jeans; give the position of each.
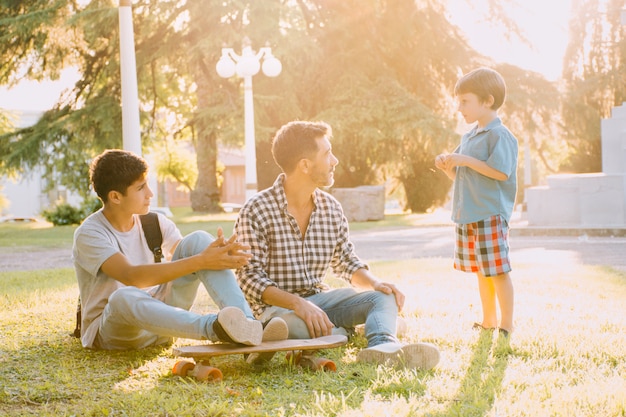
(136, 318)
(347, 308)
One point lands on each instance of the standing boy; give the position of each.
(129, 301)
(483, 168)
(297, 232)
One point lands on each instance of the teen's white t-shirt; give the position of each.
(95, 241)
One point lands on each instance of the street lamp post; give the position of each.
(246, 66)
(131, 132)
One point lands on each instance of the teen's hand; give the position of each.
(225, 254)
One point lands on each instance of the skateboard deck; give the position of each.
(300, 352)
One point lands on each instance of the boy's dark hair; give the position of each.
(115, 170)
(483, 82)
(295, 141)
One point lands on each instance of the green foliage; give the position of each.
(372, 69)
(177, 164)
(90, 204)
(529, 112)
(63, 214)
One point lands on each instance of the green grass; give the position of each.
(566, 358)
(44, 235)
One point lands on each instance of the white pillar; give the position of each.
(131, 132)
(251, 185)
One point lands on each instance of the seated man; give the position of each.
(296, 232)
(128, 300)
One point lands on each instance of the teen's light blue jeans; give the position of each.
(135, 318)
(347, 308)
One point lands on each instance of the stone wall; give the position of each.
(362, 203)
(587, 200)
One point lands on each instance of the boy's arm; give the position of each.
(218, 255)
(458, 160)
(440, 163)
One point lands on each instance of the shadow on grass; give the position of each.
(483, 378)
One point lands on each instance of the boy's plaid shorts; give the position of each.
(483, 247)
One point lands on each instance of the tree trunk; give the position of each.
(205, 196)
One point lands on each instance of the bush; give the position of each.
(63, 214)
(90, 205)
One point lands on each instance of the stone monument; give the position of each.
(594, 200)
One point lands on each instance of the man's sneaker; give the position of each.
(419, 355)
(275, 329)
(232, 326)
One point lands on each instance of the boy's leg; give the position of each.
(134, 319)
(492, 256)
(506, 299)
(487, 292)
(221, 285)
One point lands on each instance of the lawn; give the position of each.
(566, 356)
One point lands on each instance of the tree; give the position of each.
(172, 77)
(380, 78)
(594, 75)
(529, 112)
(372, 69)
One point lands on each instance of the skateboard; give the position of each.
(299, 352)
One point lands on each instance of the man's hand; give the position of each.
(388, 288)
(316, 320)
(364, 279)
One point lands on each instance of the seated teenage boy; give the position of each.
(129, 301)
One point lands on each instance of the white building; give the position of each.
(25, 195)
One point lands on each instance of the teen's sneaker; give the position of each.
(232, 326)
(419, 355)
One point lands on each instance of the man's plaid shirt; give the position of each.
(281, 256)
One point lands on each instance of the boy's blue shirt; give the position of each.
(475, 196)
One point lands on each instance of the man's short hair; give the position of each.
(297, 140)
(115, 170)
(483, 82)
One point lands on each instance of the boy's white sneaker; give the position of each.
(232, 326)
(423, 356)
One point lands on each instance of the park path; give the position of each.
(402, 243)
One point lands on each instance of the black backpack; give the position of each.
(154, 239)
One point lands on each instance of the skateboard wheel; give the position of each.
(207, 373)
(182, 368)
(318, 364)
